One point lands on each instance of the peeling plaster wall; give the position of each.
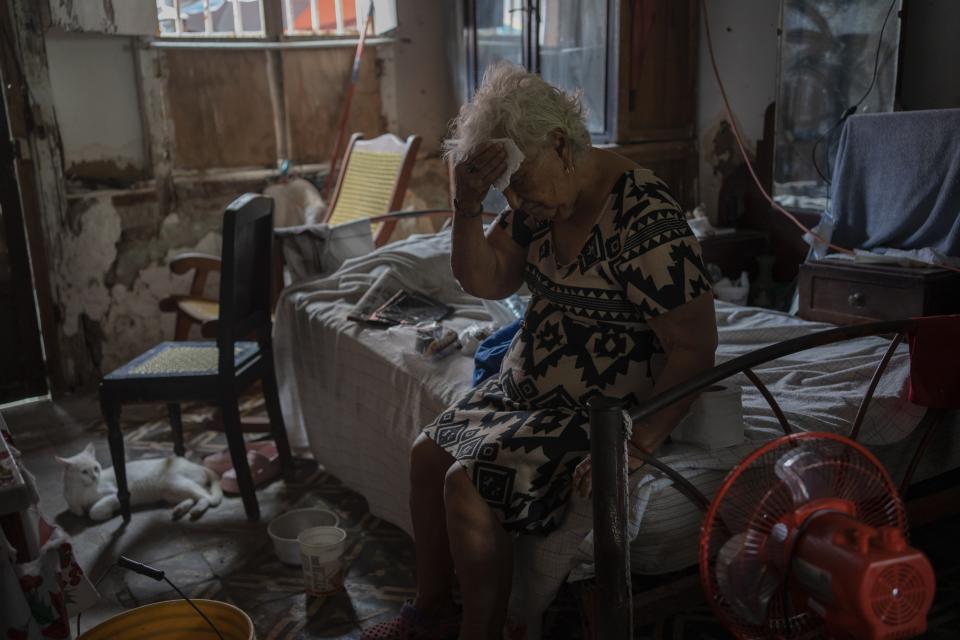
(113, 271)
(98, 111)
(745, 40)
(109, 249)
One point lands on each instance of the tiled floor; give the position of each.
(221, 555)
(224, 557)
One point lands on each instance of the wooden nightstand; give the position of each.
(842, 293)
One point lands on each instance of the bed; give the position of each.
(358, 396)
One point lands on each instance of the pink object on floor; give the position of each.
(264, 466)
(221, 462)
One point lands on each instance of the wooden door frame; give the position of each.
(16, 96)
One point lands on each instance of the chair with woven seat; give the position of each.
(373, 182)
(214, 371)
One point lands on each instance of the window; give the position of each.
(573, 53)
(320, 17)
(540, 35)
(218, 18)
(827, 55)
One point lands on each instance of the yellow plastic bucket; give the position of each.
(175, 620)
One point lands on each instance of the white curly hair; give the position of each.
(514, 103)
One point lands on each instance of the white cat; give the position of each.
(173, 480)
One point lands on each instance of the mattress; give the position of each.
(358, 397)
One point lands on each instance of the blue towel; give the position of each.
(490, 353)
(897, 182)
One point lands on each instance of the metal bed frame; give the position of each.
(613, 613)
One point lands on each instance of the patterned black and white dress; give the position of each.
(521, 434)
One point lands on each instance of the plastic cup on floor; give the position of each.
(321, 556)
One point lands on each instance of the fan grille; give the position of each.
(753, 499)
(898, 594)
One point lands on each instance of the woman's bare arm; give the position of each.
(487, 266)
(688, 334)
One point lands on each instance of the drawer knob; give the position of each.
(856, 299)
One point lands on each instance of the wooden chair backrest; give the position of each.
(246, 274)
(373, 180)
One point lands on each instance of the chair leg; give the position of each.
(277, 428)
(177, 425)
(181, 330)
(111, 413)
(230, 409)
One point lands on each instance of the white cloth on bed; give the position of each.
(359, 396)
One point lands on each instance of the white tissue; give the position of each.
(514, 160)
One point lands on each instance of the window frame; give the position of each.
(285, 32)
(315, 31)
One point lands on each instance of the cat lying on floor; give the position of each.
(173, 480)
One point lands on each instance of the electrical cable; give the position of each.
(852, 109)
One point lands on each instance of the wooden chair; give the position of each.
(175, 372)
(373, 182)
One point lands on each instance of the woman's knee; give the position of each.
(428, 462)
(458, 489)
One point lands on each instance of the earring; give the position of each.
(567, 170)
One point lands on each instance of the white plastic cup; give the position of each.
(321, 556)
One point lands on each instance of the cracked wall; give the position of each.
(123, 185)
(112, 268)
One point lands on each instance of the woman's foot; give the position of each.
(414, 625)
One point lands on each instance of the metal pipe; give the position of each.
(765, 392)
(683, 485)
(608, 451)
(327, 43)
(862, 409)
(928, 422)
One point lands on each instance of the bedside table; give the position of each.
(844, 293)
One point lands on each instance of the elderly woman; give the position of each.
(621, 306)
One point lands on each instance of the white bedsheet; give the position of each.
(359, 396)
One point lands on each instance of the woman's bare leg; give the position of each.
(428, 468)
(483, 555)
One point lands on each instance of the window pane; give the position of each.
(573, 53)
(349, 15)
(326, 16)
(250, 16)
(191, 12)
(166, 16)
(221, 14)
(499, 32)
(299, 18)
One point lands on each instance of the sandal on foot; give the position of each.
(413, 625)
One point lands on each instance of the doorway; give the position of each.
(22, 371)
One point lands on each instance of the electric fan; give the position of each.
(807, 539)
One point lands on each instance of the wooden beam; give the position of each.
(39, 170)
(273, 27)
